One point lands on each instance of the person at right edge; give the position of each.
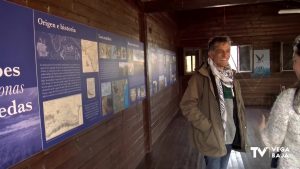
(213, 105)
(283, 127)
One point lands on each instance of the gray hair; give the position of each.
(217, 39)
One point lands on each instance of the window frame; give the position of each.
(192, 52)
(282, 57)
(251, 59)
(193, 65)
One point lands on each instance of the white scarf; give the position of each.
(224, 77)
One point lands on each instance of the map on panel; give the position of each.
(89, 56)
(62, 115)
(57, 47)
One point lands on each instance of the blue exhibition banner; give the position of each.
(68, 76)
(20, 130)
(59, 78)
(161, 68)
(121, 72)
(136, 71)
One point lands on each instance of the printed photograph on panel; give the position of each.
(165, 62)
(123, 69)
(106, 94)
(173, 77)
(161, 82)
(155, 86)
(130, 54)
(114, 52)
(91, 89)
(56, 47)
(109, 51)
(130, 68)
(143, 91)
(133, 95)
(103, 51)
(120, 95)
(117, 53)
(166, 81)
(161, 63)
(107, 105)
(20, 133)
(106, 89)
(154, 64)
(138, 55)
(62, 115)
(138, 92)
(123, 53)
(170, 73)
(167, 65)
(89, 56)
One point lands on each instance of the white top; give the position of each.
(283, 130)
(230, 126)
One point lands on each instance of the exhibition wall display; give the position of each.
(161, 68)
(59, 78)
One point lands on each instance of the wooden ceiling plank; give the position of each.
(178, 5)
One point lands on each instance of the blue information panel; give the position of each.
(121, 72)
(58, 78)
(20, 128)
(68, 76)
(162, 68)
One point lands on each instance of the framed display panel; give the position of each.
(286, 56)
(162, 68)
(245, 58)
(261, 62)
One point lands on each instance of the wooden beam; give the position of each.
(146, 101)
(177, 5)
(159, 6)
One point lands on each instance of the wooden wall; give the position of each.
(119, 142)
(264, 91)
(258, 25)
(162, 31)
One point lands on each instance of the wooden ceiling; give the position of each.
(150, 6)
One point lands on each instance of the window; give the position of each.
(286, 56)
(189, 64)
(191, 57)
(233, 57)
(241, 58)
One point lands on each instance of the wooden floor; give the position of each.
(172, 150)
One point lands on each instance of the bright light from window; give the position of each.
(193, 62)
(233, 60)
(188, 61)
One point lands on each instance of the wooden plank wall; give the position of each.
(162, 31)
(119, 141)
(258, 25)
(264, 91)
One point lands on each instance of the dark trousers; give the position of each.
(218, 162)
